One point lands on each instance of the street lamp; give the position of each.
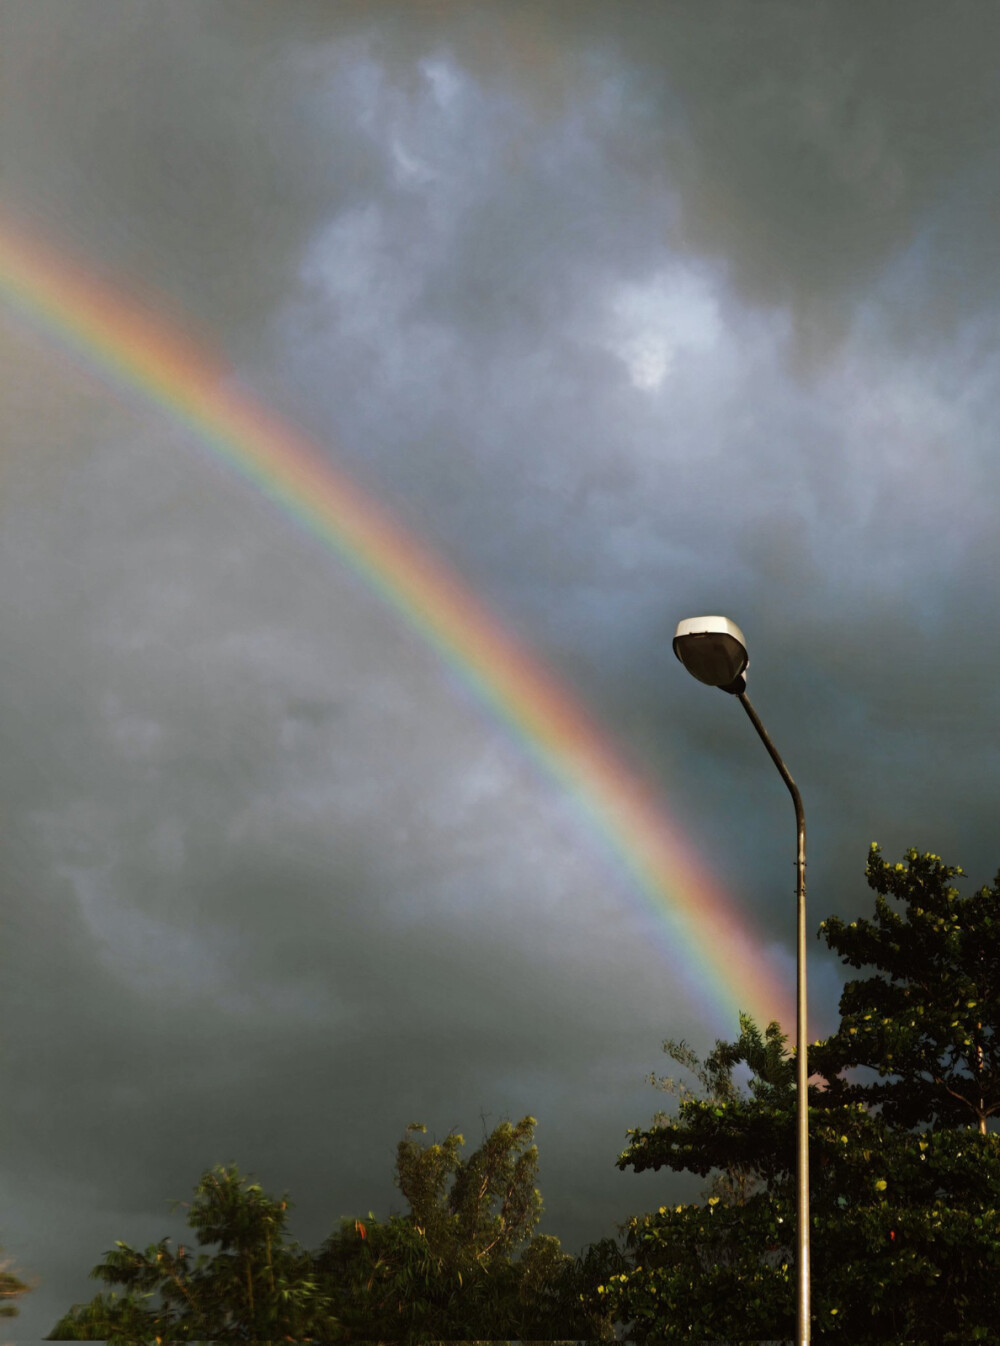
(713, 650)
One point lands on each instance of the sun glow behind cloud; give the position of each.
(652, 325)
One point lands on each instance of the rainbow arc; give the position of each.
(707, 934)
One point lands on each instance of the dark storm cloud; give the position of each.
(807, 146)
(812, 145)
(820, 137)
(469, 255)
(546, 280)
(179, 157)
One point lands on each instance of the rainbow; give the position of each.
(710, 940)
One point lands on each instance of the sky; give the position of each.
(624, 313)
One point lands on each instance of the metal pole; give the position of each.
(801, 1068)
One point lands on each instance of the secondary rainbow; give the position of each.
(708, 935)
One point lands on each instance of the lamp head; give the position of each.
(713, 650)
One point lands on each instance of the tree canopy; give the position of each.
(447, 1269)
(904, 1188)
(443, 1270)
(904, 1172)
(928, 1022)
(257, 1286)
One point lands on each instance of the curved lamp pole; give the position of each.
(713, 650)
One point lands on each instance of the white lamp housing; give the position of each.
(713, 650)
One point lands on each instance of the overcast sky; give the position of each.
(631, 312)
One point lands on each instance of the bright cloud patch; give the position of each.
(652, 324)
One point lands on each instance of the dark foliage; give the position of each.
(444, 1271)
(904, 1174)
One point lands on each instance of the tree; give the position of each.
(721, 1268)
(493, 1204)
(929, 1023)
(760, 1117)
(905, 1225)
(446, 1269)
(255, 1288)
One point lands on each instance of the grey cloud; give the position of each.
(532, 276)
(805, 148)
(185, 161)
